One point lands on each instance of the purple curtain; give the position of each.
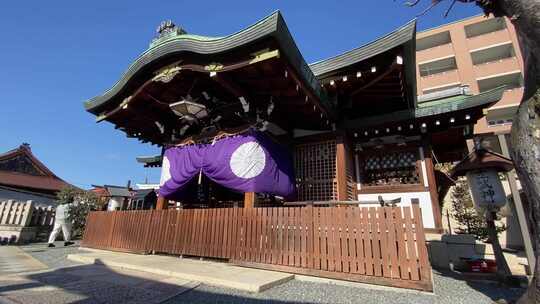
(249, 162)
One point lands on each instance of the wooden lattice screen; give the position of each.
(315, 165)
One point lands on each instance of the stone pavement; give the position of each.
(14, 260)
(207, 272)
(90, 284)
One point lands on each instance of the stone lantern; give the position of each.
(482, 167)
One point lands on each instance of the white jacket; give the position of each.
(62, 213)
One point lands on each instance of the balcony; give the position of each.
(440, 79)
(432, 41)
(511, 80)
(496, 67)
(440, 51)
(493, 38)
(493, 53)
(510, 98)
(483, 27)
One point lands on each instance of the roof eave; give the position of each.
(398, 37)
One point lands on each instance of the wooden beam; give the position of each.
(432, 184)
(376, 79)
(249, 199)
(162, 203)
(227, 84)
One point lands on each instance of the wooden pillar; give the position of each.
(249, 199)
(432, 185)
(341, 169)
(162, 203)
(520, 211)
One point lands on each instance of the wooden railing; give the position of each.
(384, 245)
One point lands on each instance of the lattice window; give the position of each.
(315, 165)
(391, 168)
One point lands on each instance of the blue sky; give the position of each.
(54, 55)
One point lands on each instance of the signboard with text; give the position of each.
(486, 188)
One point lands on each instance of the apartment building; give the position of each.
(471, 56)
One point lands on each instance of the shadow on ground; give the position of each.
(100, 284)
(490, 288)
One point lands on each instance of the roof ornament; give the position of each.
(167, 29)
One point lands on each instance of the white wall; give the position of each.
(114, 203)
(423, 197)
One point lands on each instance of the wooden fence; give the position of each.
(384, 245)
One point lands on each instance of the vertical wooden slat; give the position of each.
(386, 272)
(264, 231)
(310, 236)
(425, 270)
(392, 241)
(411, 250)
(279, 235)
(304, 237)
(349, 240)
(375, 241)
(259, 235)
(402, 257)
(367, 241)
(316, 232)
(358, 242)
(275, 235)
(330, 220)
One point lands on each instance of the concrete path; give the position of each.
(14, 260)
(90, 284)
(211, 273)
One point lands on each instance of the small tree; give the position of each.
(82, 203)
(470, 220)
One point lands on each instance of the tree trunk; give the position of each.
(525, 15)
(526, 156)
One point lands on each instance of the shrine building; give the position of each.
(243, 120)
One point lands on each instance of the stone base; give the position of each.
(16, 234)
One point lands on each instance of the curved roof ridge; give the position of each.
(164, 48)
(196, 37)
(377, 46)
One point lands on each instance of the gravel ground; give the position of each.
(448, 288)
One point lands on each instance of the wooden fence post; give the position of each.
(425, 267)
(249, 199)
(162, 203)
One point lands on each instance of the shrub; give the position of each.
(82, 203)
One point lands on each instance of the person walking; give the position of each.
(61, 222)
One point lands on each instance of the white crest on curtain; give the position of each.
(248, 160)
(165, 171)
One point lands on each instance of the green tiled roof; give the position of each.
(433, 108)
